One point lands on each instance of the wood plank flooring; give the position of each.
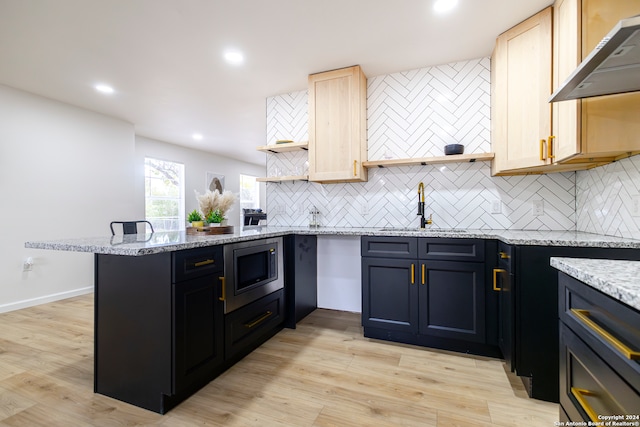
(324, 373)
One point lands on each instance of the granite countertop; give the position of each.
(618, 279)
(145, 244)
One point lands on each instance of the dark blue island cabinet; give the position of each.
(160, 328)
(433, 292)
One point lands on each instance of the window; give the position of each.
(249, 193)
(164, 194)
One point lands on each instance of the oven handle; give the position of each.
(224, 290)
(259, 319)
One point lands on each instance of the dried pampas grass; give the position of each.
(212, 200)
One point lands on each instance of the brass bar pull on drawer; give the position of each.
(259, 320)
(224, 291)
(551, 155)
(205, 262)
(542, 154)
(579, 394)
(583, 316)
(496, 271)
(413, 274)
(504, 255)
(423, 276)
(355, 167)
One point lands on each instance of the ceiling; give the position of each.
(164, 58)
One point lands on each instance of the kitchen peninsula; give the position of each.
(144, 300)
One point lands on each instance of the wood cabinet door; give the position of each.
(197, 331)
(566, 57)
(452, 300)
(390, 294)
(521, 110)
(337, 125)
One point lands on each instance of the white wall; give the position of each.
(197, 164)
(64, 172)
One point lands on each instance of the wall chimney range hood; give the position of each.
(612, 67)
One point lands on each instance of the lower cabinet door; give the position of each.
(390, 294)
(197, 331)
(452, 300)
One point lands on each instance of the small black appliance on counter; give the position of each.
(253, 216)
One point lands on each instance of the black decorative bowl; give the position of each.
(453, 149)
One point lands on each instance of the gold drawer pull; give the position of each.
(504, 255)
(413, 274)
(551, 154)
(205, 262)
(355, 167)
(496, 271)
(579, 394)
(423, 275)
(224, 290)
(583, 315)
(259, 320)
(542, 156)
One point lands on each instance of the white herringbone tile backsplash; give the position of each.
(605, 198)
(414, 114)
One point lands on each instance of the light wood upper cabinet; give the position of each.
(579, 134)
(608, 127)
(338, 125)
(521, 84)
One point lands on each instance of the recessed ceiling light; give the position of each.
(234, 57)
(442, 6)
(197, 136)
(104, 89)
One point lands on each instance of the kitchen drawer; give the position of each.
(192, 263)
(442, 249)
(389, 247)
(249, 326)
(609, 327)
(589, 387)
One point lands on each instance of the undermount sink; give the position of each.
(435, 230)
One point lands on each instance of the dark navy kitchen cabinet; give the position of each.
(428, 291)
(198, 320)
(301, 277)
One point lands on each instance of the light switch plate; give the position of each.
(635, 205)
(538, 208)
(496, 206)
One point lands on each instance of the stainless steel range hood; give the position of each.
(612, 67)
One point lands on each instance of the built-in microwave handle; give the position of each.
(224, 290)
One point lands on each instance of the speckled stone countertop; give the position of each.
(618, 279)
(144, 244)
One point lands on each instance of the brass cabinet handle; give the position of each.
(413, 274)
(551, 155)
(542, 156)
(503, 255)
(259, 320)
(224, 291)
(205, 262)
(355, 165)
(496, 271)
(423, 275)
(583, 315)
(579, 394)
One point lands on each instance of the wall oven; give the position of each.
(252, 270)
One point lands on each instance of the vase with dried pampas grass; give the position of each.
(211, 201)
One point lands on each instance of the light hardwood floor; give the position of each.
(324, 373)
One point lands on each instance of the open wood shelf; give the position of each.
(283, 148)
(284, 178)
(455, 158)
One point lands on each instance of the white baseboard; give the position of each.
(44, 299)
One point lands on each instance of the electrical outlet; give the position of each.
(364, 208)
(538, 208)
(27, 265)
(635, 205)
(301, 209)
(496, 206)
